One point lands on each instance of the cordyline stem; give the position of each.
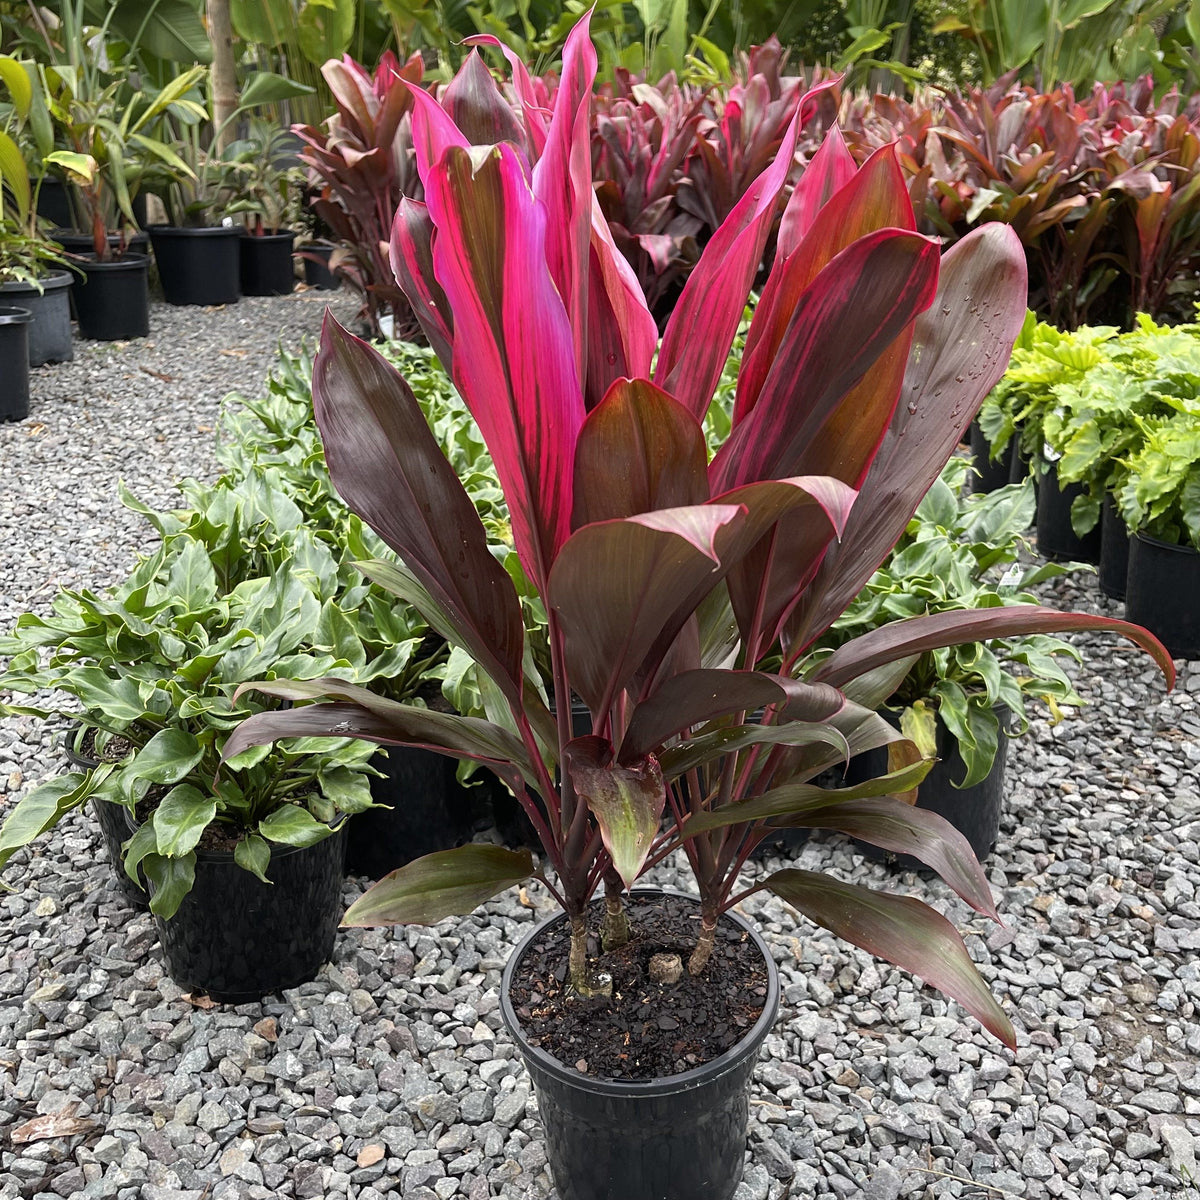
(614, 931)
(705, 942)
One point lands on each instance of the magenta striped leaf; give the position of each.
(827, 172)
(903, 931)
(536, 117)
(433, 132)
(514, 361)
(412, 264)
(705, 318)
(477, 106)
(387, 466)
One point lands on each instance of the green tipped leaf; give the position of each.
(254, 855)
(293, 826)
(180, 818)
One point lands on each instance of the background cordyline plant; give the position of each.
(679, 593)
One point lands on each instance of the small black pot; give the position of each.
(14, 363)
(50, 332)
(238, 939)
(682, 1137)
(990, 476)
(1163, 593)
(316, 267)
(266, 264)
(112, 299)
(198, 266)
(1056, 538)
(1114, 551)
(429, 811)
(973, 811)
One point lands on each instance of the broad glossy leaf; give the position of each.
(514, 357)
(960, 349)
(386, 464)
(412, 264)
(477, 106)
(831, 168)
(293, 825)
(166, 758)
(433, 130)
(449, 883)
(903, 931)
(639, 450)
(254, 855)
(627, 800)
(42, 809)
(182, 815)
(705, 748)
(536, 117)
(170, 881)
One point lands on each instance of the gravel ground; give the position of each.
(391, 1074)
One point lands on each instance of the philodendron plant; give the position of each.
(669, 581)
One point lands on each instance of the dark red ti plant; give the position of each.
(668, 582)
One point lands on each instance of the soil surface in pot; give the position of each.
(647, 1030)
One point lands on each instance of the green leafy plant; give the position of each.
(961, 552)
(1161, 492)
(265, 177)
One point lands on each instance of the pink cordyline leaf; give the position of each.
(875, 198)
(477, 106)
(412, 264)
(433, 132)
(351, 88)
(705, 318)
(853, 311)
(562, 181)
(960, 349)
(627, 800)
(903, 931)
(387, 466)
(638, 450)
(514, 361)
(536, 117)
(827, 172)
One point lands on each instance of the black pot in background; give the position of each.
(50, 331)
(266, 264)
(112, 299)
(238, 939)
(1163, 593)
(682, 1137)
(81, 243)
(429, 811)
(1056, 538)
(1114, 551)
(973, 811)
(990, 475)
(14, 363)
(1018, 464)
(316, 267)
(198, 266)
(54, 202)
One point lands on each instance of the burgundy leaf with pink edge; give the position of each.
(705, 318)
(859, 304)
(875, 198)
(478, 107)
(536, 118)
(433, 131)
(638, 450)
(960, 349)
(386, 464)
(627, 800)
(514, 360)
(412, 265)
(831, 168)
(900, 929)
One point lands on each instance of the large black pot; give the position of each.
(14, 363)
(82, 243)
(112, 299)
(54, 202)
(990, 476)
(198, 266)
(238, 939)
(1114, 551)
(682, 1137)
(429, 811)
(266, 264)
(316, 267)
(973, 811)
(1163, 593)
(50, 331)
(1056, 537)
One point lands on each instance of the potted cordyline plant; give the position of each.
(679, 595)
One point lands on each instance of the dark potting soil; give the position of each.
(647, 1030)
(114, 750)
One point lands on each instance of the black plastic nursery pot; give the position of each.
(1114, 551)
(14, 362)
(198, 266)
(82, 243)
(1056, 538)
(990, 476)
(112, 299)
(1163, 593)
(54, 202)
(680, 1137)
(50, 330)
(238, 939)
(316, 267)
(266, 264)
(974, 811)
(428, 811)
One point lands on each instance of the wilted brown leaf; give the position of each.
(203, 1002)
(63, 1123)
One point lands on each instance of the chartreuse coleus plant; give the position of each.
(668, 579)
(240, 586)
(960, 552)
